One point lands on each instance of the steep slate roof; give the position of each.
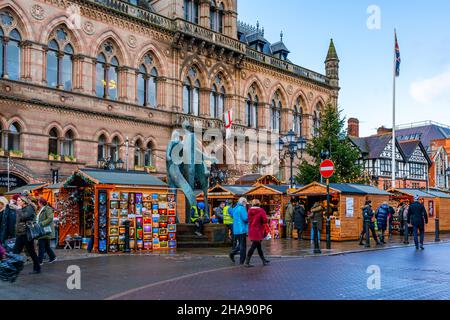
(123, 178)
(332, 54)
(409, 147)
(373, 146)
(279, 46)
(29, 188)
(425, 134)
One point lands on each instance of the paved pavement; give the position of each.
(405, 274)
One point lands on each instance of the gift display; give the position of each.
(152, 217)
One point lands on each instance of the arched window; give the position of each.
(275, 112)
(251, 112)
(60, 61)
(67, 144)
(101, 148)
(139, 154)
(191, 93)
(147, 88)
(298, 117)
(114, 149)
(216, 16)
(11, 52)
(217, 99)
(107, 68)
(53, 142)
(316, 122)
(149, 155)
(14, 137)
(1, 51)
(191, 9)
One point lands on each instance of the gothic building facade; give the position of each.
(83, 81)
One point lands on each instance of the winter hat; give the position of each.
(16, 197)
(416, 198)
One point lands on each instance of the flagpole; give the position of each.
(393, 114)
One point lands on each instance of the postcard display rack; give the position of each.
(152, 219)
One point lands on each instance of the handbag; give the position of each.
(34, 230)
(267, 235)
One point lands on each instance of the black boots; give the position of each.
(247, 263)
(265, 262)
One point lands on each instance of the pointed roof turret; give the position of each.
(332, 54)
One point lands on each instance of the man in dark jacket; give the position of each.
(7, 222)
(368, 215)
(382, 216)
(299, 219)
(418, 217)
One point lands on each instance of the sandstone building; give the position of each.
(86, 80)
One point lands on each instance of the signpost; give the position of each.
(326, 171)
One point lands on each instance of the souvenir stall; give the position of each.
(219, 194)
(430, 201)
(112, 198)
(274, 199)
(345, 206)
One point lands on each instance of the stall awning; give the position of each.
(118, 178)
(317, 189)
(228, 191)
(263, 190)
(413, 192)
(439, 194)
(30, 188)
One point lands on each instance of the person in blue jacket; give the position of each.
(382, 216)
(240, 230)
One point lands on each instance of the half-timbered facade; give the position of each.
(411, 166)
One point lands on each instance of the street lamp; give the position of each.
(291, 145)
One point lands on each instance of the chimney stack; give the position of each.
(353, 127)
(383, 130)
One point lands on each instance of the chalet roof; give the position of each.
(120, 178)
(248, 178)
(27, 188)
(357, 189)
(414, 192)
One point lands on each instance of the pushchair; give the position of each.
(11, 267)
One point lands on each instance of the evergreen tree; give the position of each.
(332, 137)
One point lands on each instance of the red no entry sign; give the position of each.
(327, 169)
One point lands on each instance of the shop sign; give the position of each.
(349, 205)
(431, 208)
(14, 181)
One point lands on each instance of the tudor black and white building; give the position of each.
(412, 161)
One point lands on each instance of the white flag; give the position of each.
(228, 123)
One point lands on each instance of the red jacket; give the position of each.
(257, 218)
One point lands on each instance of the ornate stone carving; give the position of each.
(243, 75)
(88, 28)
(267, 83)
(290, 90)
(38, 12)
(132, 41)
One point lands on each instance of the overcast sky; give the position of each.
(366, 54)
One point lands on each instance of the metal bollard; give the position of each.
(367, 226)
(328, 233)
(316, 238)
(437, 230)
(127, 237)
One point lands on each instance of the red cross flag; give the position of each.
(228, 123)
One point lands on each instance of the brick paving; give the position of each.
(405, 273)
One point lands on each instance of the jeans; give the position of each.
(312, 234)
(44, 247)
(371, 229)
(199, 225)
(416, 236)
(300, 233)
(240, 246)
(256, 245)
(289, 228)
(406, 232)
(21, 243)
